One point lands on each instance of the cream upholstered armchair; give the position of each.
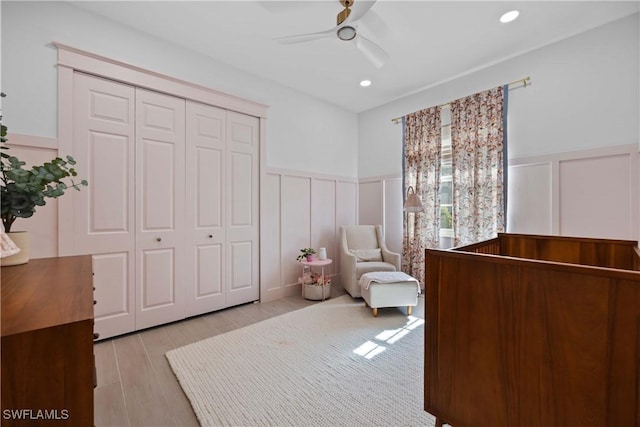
(362, 250)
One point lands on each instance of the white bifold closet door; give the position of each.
(242, 136)
(171, 211)
(104, 226)
(206, 216)
(160, 211)
(222, 208)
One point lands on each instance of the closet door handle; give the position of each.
(211, 236)
(158, 239)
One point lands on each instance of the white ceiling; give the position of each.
(428, 41)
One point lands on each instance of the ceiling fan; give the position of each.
(347, 30)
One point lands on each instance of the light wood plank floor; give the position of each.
(136, 386)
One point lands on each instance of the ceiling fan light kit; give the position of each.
(347, 30)
(346, 33)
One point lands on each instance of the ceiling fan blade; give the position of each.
(359, 9)
(374, 53)
(279, 6)
(301, 38)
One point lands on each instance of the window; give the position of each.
(446, 182)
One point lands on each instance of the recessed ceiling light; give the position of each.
(509, 16)
(365, 83)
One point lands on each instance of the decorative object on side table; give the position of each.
(306, 254)
(21, 190)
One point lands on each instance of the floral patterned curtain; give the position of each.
(422, 146)
(477, 162)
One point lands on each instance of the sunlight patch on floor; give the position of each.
(371, 349)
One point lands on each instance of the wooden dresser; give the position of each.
(47, 342)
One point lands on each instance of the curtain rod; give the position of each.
(521, 82)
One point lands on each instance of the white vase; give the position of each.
(21, 239)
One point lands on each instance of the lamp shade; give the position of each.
(413, 202)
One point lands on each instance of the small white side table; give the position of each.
(316, 263)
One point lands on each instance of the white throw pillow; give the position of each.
(367, 254)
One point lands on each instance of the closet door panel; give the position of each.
(242, 257)
(158, 275)
(242, 212)
(206, 216)
(104, 146)
(109, 205)
(242, 207)
(209, 273)
(158, 193)
(160, 247)
(114, 293)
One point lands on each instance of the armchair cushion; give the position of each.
(367, 254)
(369, 267)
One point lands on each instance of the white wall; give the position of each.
(296, 122)
(585, 95)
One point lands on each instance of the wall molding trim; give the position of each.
(32, 141)
(380, 178)
(578, 154)
(316, 175)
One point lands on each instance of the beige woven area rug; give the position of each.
(329, 364)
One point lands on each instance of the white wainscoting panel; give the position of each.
(323, 218)
(595, 197)
(529, 200)
(587, 193)
(346, 213)
(271, 238)
(300, 210)
(347, 206)
(392, 224)
(381, 204)
(371, 202)
(296, 219)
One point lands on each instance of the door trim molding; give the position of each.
(92, 63)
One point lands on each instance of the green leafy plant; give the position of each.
(23, 189)
(304, 253)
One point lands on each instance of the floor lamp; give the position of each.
(412, 204)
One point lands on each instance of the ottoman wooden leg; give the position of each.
(375, 311)
(409, 310)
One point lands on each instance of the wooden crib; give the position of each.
(527, 330)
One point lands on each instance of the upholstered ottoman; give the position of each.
(389, 289)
